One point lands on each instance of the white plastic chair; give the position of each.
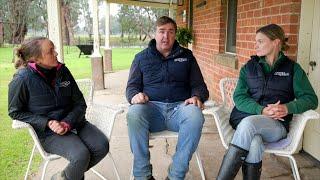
(101, 116)
(170, 134)
(286, 147)
(86, 87)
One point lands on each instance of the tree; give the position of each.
(139, 21)
(14, 14)
(38, 16)
(84, 11)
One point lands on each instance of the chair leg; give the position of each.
(203, 177)
(131, 173)
(114, 166)
(30, 161)
(294, 167)
(98, 174)
(44, 169)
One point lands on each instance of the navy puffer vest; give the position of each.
(267, 88)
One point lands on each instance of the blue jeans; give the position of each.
(253, 131)
(157, 116)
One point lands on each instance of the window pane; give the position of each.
(231, 26)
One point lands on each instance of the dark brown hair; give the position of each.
(166, 20)
(30, 48)
(273, 31)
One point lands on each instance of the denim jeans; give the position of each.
(155, 116)
(253, 131)
(83, 150)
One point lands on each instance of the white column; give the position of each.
(95, 23)
(54, 26)
(107, 55)
(171, 10)
(107, 26)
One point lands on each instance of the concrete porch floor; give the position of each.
(210, 148)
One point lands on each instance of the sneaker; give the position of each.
(59, 176)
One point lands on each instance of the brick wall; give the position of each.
(209, 30)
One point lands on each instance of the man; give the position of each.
(167, 91)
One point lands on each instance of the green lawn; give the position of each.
(16, 145)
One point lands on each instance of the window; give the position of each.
(231, 26)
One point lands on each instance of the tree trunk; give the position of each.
(68, 28)
(18, 21)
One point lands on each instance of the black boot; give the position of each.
(251, 171)
(232, 161)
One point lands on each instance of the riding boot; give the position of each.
(232, 161)
(251, 171)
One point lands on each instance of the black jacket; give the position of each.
(175, 78)
(34, 100)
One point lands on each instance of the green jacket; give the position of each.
(305, 96)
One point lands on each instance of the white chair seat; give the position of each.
(170, 134)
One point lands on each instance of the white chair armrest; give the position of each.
(16, 124)
(211, 110)
(311, 114)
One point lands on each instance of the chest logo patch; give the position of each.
(180, 59)
(64, 83)
(281, 73)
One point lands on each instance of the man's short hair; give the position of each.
(166, 20)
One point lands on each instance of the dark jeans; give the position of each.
(83, 149)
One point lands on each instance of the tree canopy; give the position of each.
(20, 17)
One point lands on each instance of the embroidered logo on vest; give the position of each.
(180, 59)
(281, 74)
(64, 83)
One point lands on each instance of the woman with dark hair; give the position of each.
(270, 89)
(44, 94)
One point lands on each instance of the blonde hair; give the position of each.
(30, 48)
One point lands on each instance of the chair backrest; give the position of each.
(221, 116)
(103, 117)
(86, 87)
(227, 87)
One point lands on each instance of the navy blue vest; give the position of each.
(267, 88)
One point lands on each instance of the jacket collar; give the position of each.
(33, 66)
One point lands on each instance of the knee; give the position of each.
(81, 156)
(101, 148)
(257, 144)
(246, 124)
(135, 112)
(137, 116)
(193, 117)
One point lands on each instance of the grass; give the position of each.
(16, 145)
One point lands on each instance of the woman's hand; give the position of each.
(276, 111)
(56, 127)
